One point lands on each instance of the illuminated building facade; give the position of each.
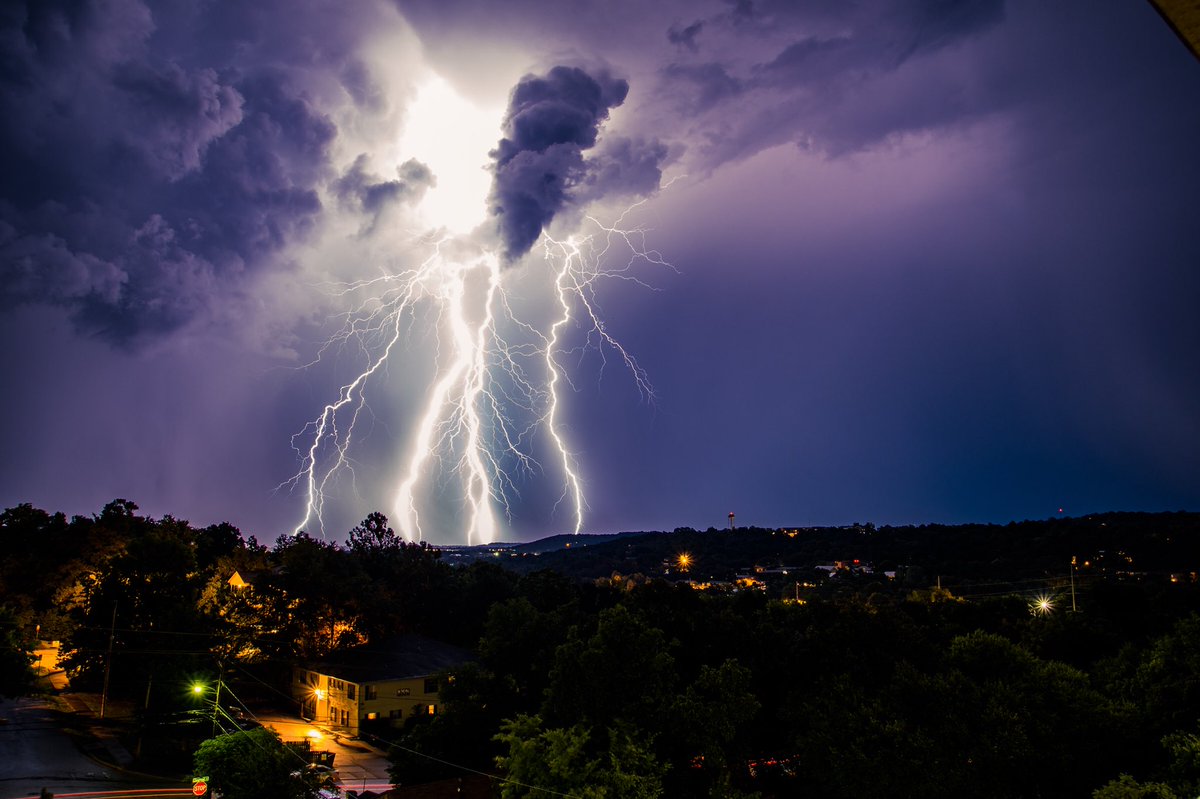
(387, 682)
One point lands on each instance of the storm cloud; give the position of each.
(936, 260)
(139, 181)
(372, 195)
(835, 77)
(551, 121)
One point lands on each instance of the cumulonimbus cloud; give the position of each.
(540, 164)
(140, 183)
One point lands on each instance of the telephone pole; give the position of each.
(1072, 583)
(112, 633)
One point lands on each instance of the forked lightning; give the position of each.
(499, 380)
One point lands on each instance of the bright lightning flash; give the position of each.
(499, 381)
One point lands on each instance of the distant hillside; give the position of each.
(1109, 543)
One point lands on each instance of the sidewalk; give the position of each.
(99, 740)
(104, 746)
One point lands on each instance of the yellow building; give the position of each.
(390, 681)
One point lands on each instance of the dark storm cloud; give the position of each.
(372, 195)
(551, 120)
(706, 85)
(145, 168)
(622, 166)
(847, 77)
(685, 37)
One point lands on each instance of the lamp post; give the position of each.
(199, 688)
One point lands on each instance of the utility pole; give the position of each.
(112, 632)
(1072, 583)
(217, 701)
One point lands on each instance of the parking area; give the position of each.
(359, 766)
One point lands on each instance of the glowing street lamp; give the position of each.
(1041, 606)
(198, 689)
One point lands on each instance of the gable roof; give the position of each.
(398, 658)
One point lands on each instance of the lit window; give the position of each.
(372, 716)
(431, 710)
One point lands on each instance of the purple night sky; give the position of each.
(932, 262)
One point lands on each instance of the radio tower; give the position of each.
(731, 520)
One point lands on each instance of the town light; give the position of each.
(1041, 606)
(685, 560)
(197, 689)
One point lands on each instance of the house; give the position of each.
(237, 581)
(389, 681)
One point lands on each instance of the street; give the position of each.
(40, 749)
(38, 753)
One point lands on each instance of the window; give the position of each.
(370, 692)
(351, 691)
(396, 714)
(402, 692)
(431, 685)
(431, 710)
(372, 716)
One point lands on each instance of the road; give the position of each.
(36, 752)
(132, 793)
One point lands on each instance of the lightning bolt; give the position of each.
(499, 379)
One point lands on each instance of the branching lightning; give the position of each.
(500, 380)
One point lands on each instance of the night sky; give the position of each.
(928, 261)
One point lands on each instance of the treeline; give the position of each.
(152, 598)
(633, 686)
(647, 688)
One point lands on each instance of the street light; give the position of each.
(199, 688)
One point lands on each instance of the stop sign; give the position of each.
(199, 787)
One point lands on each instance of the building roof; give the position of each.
(1184, 18)
(398, 658)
